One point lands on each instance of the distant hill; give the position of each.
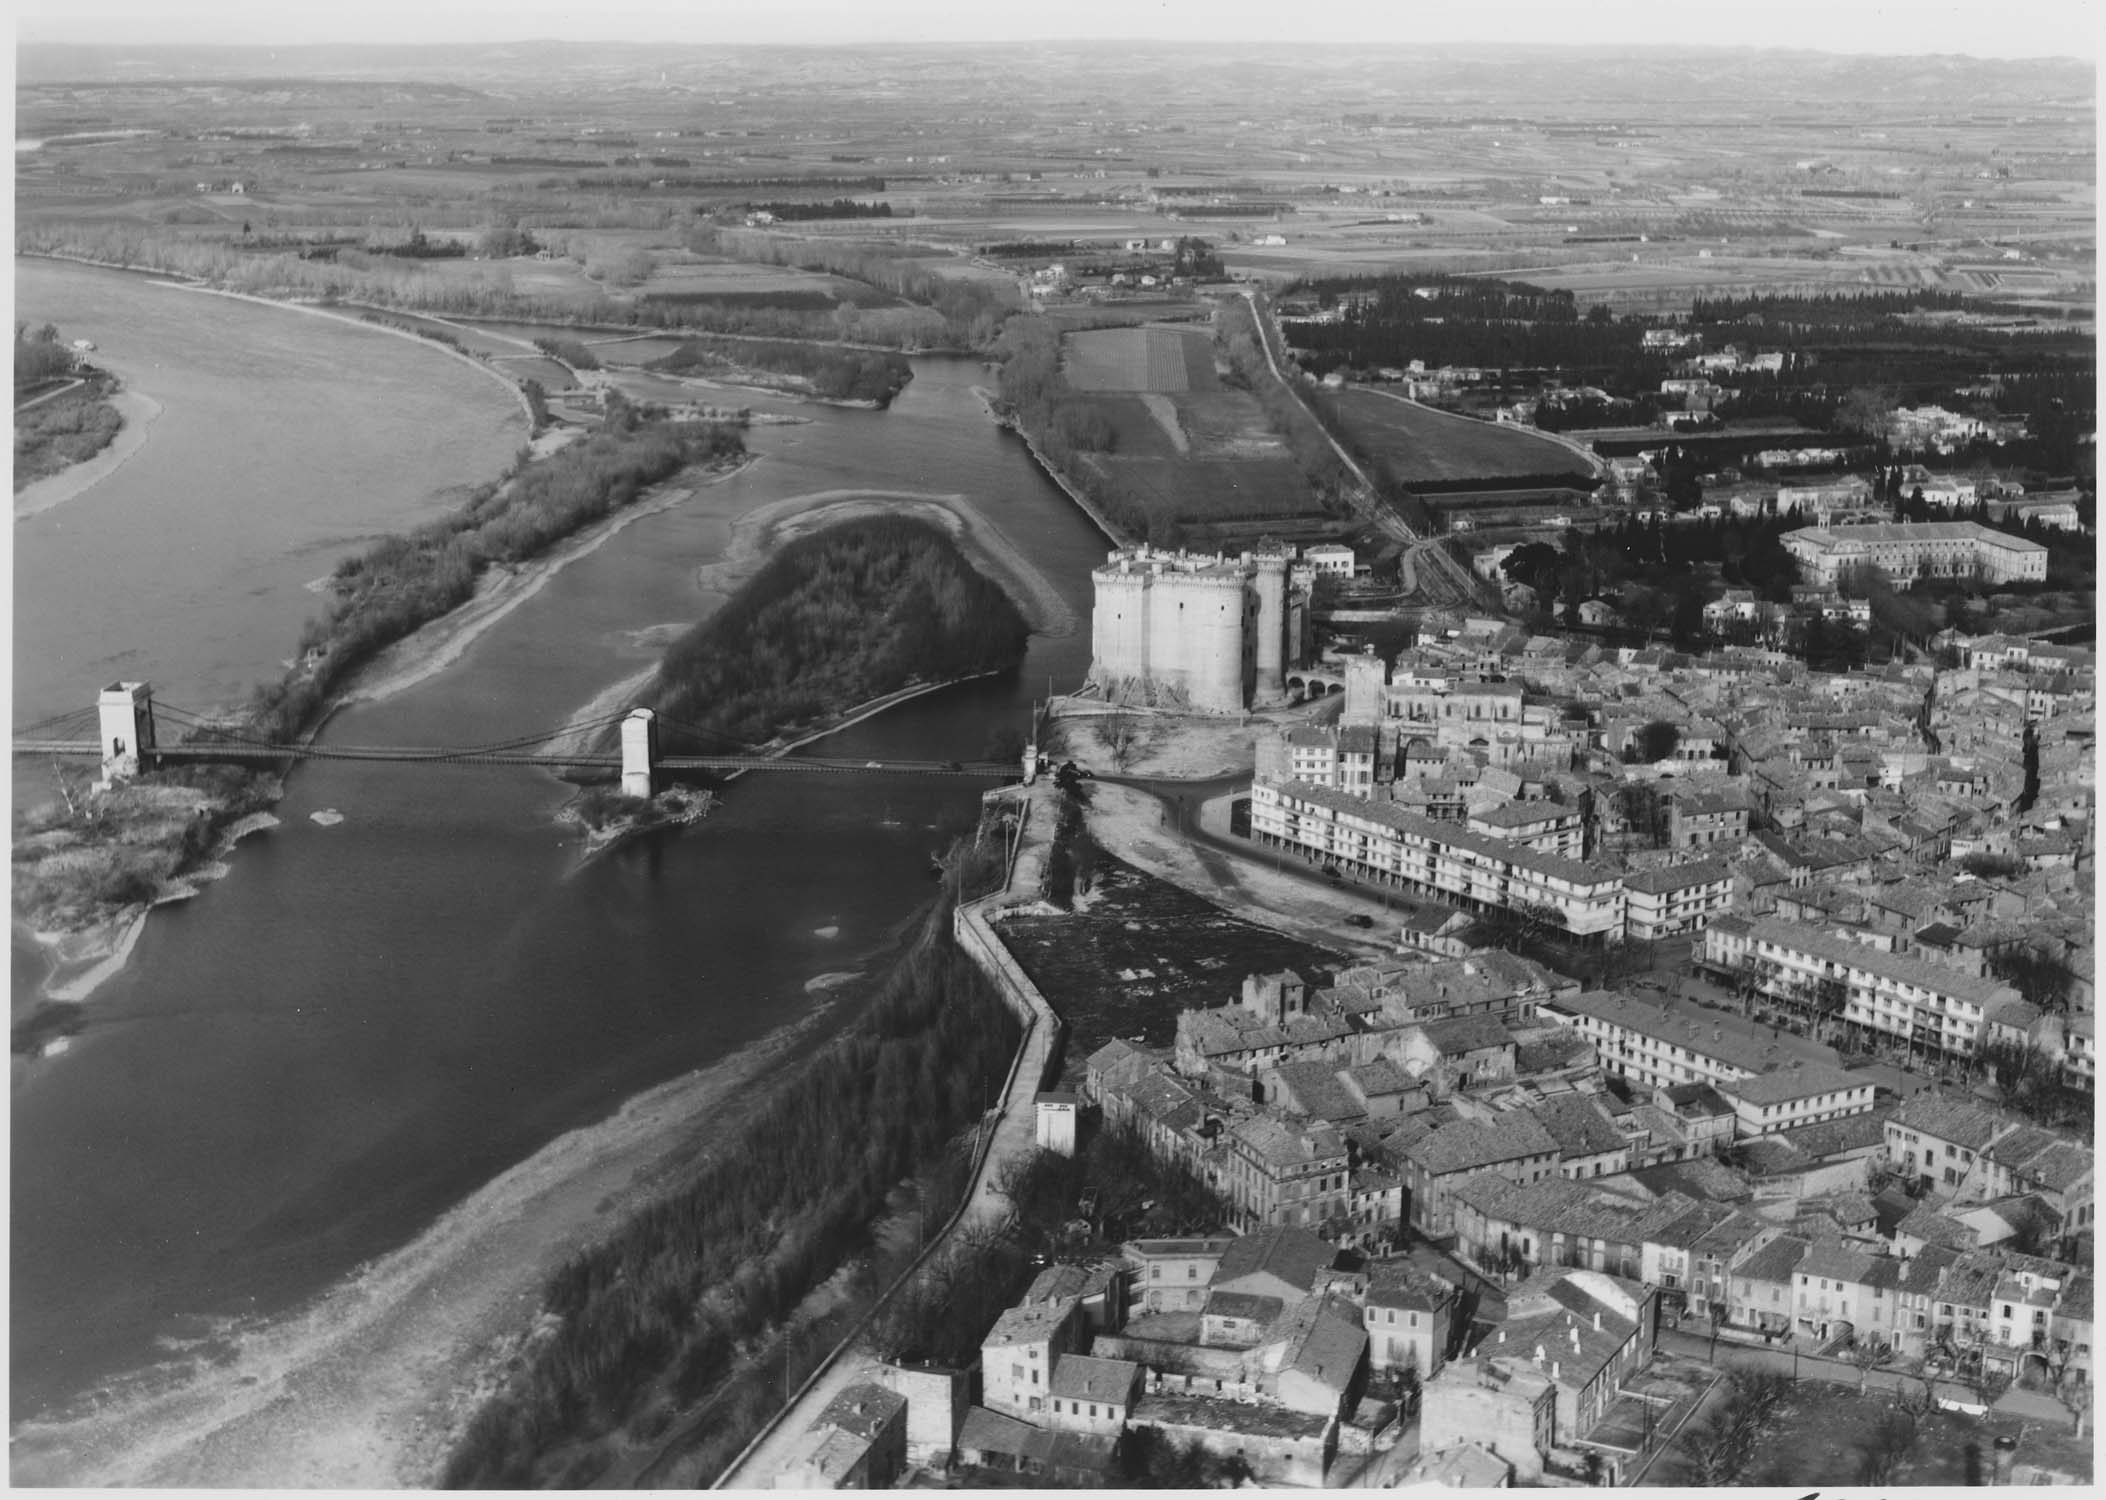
(1631, 80)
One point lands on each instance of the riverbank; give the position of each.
(175, 280)
(1082, 502)
(96, 874)
(137, 415)
(94, 941)
(432, 648)
(369, 1386)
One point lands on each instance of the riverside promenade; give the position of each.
(1009, 1132)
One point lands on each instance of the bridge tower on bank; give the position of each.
(639, 753)
(125, 712)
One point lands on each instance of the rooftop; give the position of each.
(1466, 1145)
(862, 1409)
(1936, 978)
(1448, 835)
(1724, 1039)
(1968, 1126)
(1578, 1125)
(1798, 1080)
(1295, 1256)
(1085, 1377)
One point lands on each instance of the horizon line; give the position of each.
(25, 43)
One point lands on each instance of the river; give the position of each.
(305, 1066)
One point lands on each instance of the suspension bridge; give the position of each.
(122, 731)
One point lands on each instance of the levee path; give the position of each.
(1008, 1133)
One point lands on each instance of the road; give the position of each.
(71, 385)
(1422, 556)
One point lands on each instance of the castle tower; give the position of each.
(125, 713)
(1271, 584)
(639, 752)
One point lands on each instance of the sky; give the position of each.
(1982, 28)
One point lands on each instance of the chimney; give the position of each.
(1502, 1335)
(1597, 1321)
(1553, 1369)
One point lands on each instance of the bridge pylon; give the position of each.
(125, 713)
(639, 753)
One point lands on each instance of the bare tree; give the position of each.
(1121, 734)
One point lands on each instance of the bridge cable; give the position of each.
(222, 734)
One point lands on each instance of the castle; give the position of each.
(1200, 631)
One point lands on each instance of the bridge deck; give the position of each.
(439, 756)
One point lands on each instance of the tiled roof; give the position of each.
(1578, 1125)
(1965, 1125)
(1467, 1145)
(1449, 835)
(1295, 1256)
(1934, 977)
(1671, 878)
(1703, 1177)
(1317, 1089)
(1029, 1323)
(1400, 1284)
(1085, 1377)
(1928, 1223)
(1249, 1306)
(1838, 1263)
(1278, 1143)
(1852, 1133)
(861, 1409)
(1798, 1081)
(1776, 1261)
(1926, 1268)
(2076, 1298)
(1725, 1039)
(1459, 1034)
(1326, 1341)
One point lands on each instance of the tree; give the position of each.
(1825, 1000)
(1868, 1356)
(1121, 734)
(1655, 741)
(2041, 980)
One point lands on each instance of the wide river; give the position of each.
(302, 1068)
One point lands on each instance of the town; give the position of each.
(1725, 1017)
(1189, 764)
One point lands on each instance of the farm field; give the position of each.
(1426, 449)
(1167, 360)
(1197, 491)
(1185, 446)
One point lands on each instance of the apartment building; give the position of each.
(1798, 1093)
(1339, 757)
(1278, 1173)
(1675, 899)
(1902, 551)
(1922, 1006)
(1409, 1315)
(1436, 1164)
(1375, 841)
(1654, 1043)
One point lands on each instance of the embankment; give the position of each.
(1083, 503)
(367, 1387)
